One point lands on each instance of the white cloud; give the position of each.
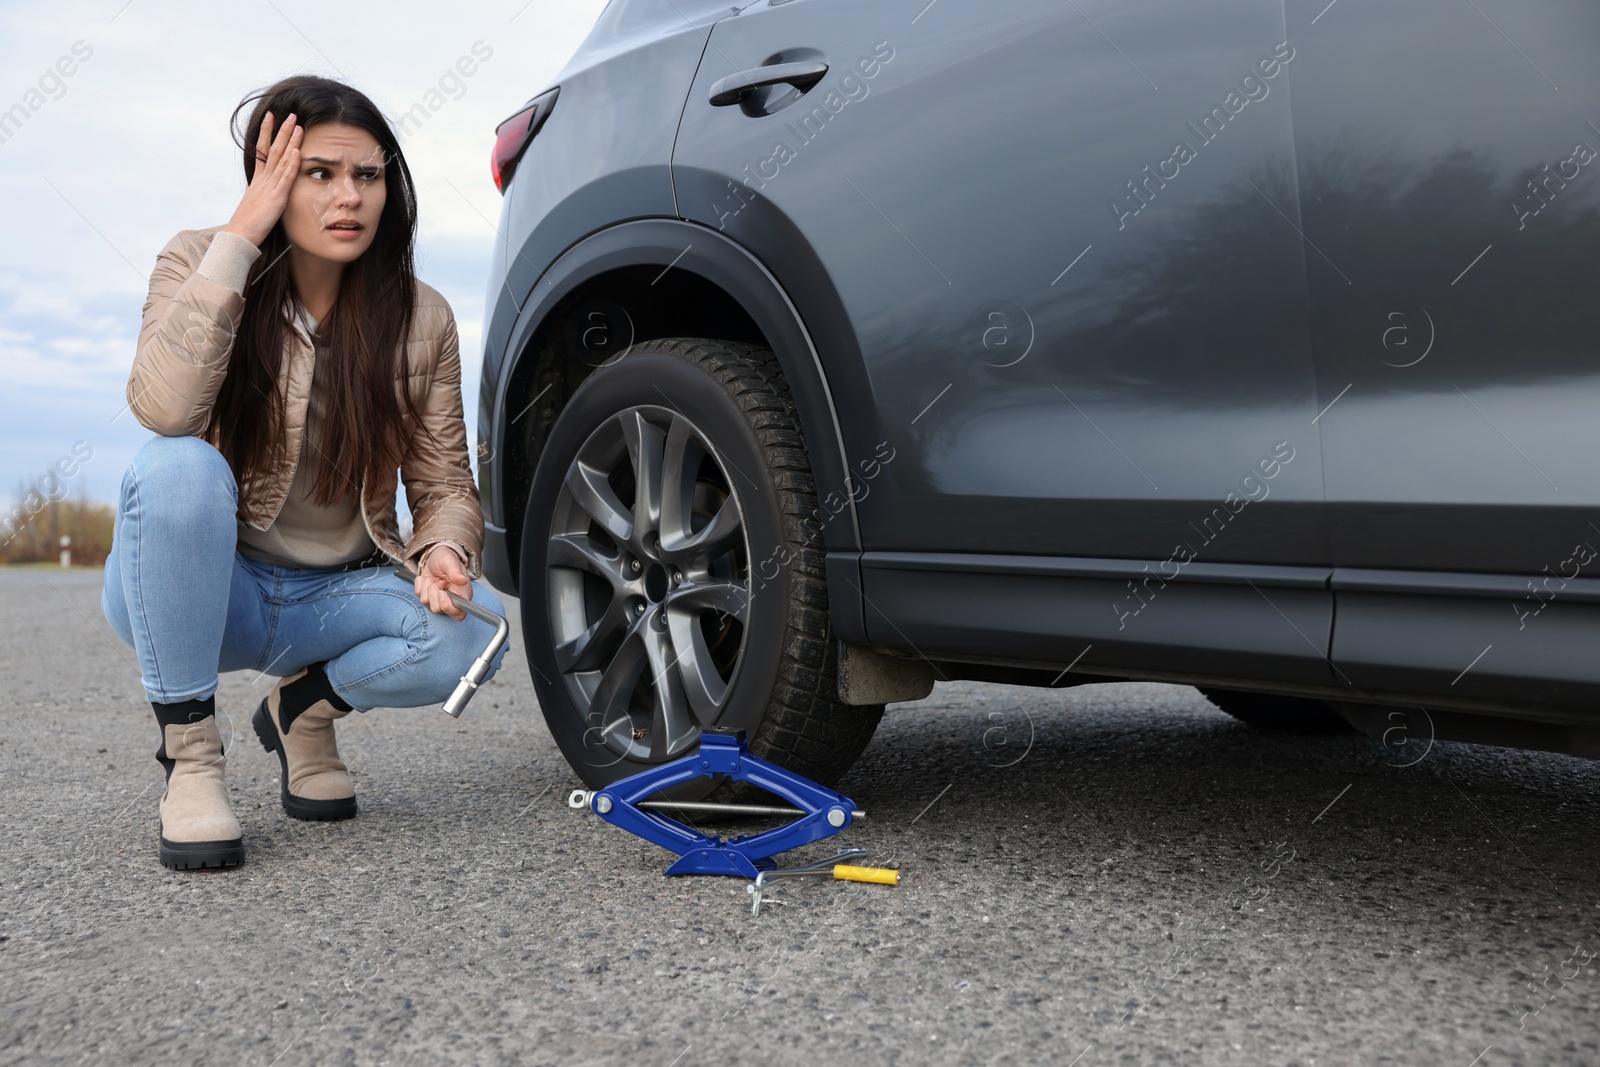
(138, 147)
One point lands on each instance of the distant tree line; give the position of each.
(32, 526)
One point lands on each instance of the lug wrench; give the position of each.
(480, 667)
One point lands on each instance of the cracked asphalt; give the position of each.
(1114, 874)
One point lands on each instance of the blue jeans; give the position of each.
(178, 590)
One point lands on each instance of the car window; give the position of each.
(622, 18)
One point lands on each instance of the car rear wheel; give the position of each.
(1264, 711)
(672, 574)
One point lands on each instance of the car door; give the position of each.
(1050, 258)
(1449, 175)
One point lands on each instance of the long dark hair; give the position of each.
(367, 328)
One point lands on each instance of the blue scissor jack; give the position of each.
(723, 753)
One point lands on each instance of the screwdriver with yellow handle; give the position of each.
(834, 865)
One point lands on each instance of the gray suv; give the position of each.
(837, 348)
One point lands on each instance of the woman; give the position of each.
(289, 362)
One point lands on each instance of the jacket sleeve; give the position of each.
(440, 492)
(186, 338)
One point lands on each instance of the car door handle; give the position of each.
(802, 76)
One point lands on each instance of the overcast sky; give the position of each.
(134, 146)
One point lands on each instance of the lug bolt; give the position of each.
(636, 566)
(677, 577)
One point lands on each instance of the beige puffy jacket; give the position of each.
(184, 345)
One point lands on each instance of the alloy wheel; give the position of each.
(648, 569)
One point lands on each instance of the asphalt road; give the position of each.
(1105, 875)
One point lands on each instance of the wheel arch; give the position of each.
(667, 278)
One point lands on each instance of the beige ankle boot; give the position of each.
(198, 828)
(296, 722)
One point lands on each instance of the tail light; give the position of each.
(512, 136)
